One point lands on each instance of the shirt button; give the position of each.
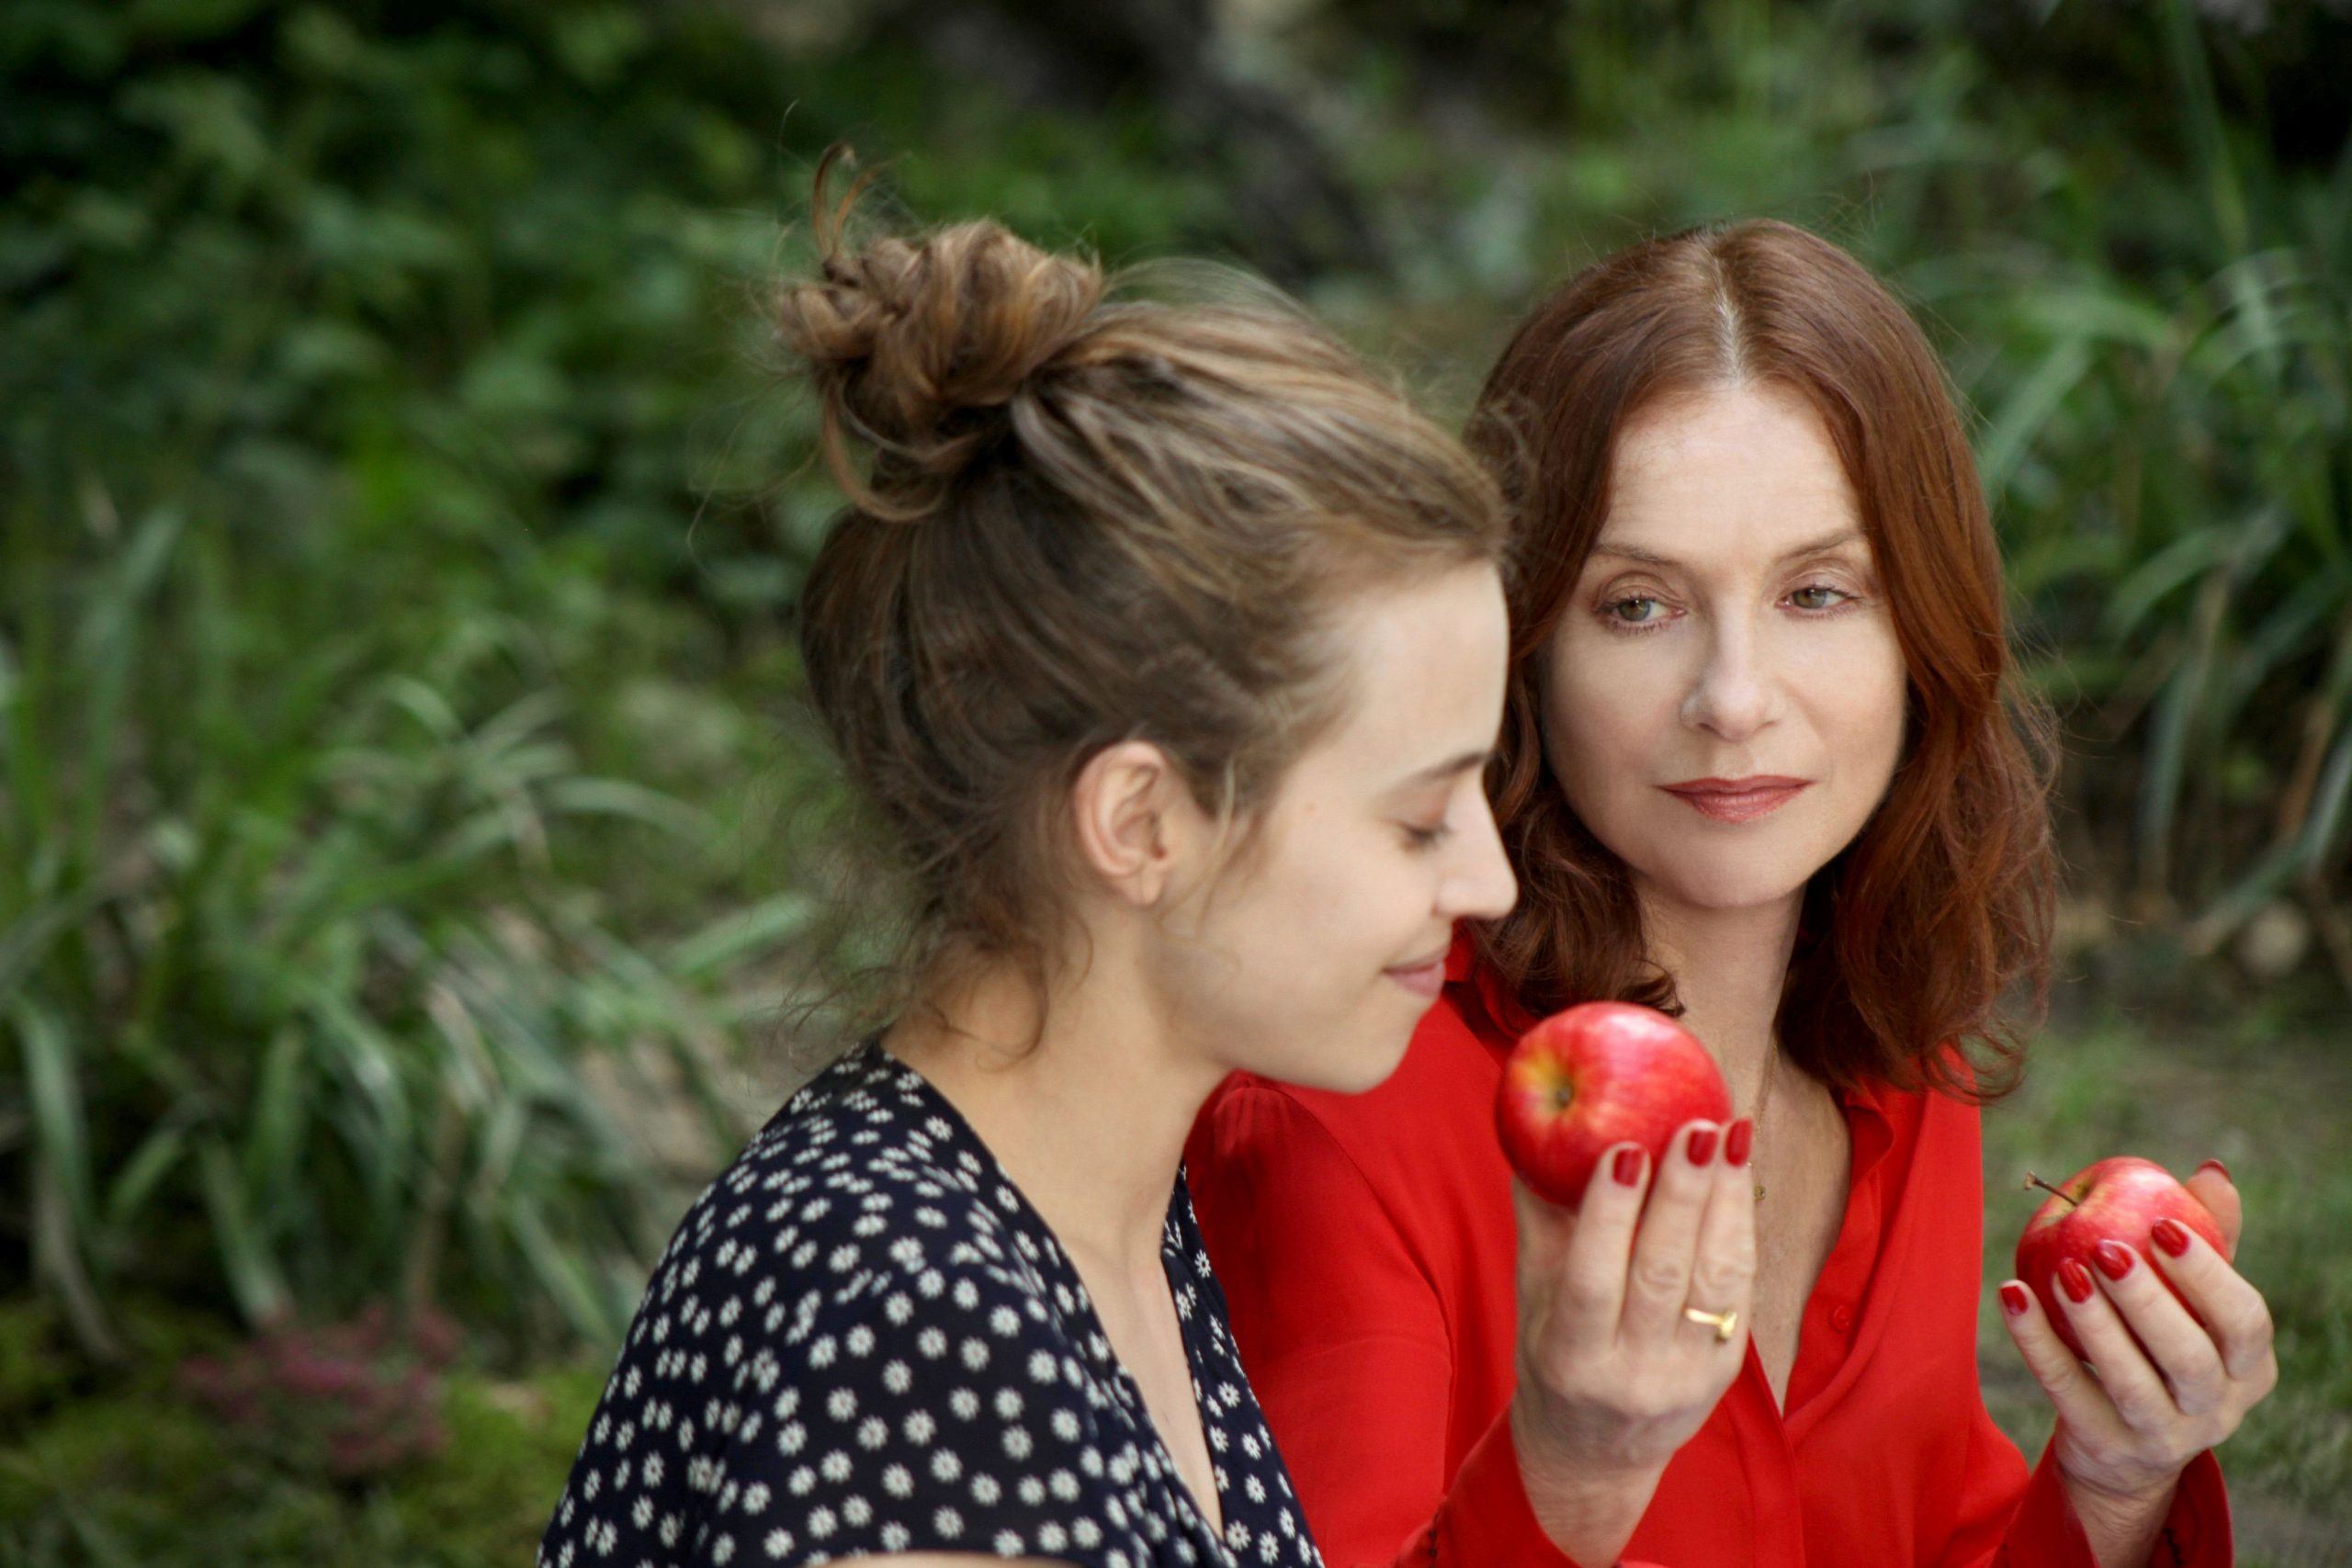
(1841, 1319)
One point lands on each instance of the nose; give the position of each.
(1733, 695)
(1483, 887)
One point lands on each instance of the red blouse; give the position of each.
(1365, 1243)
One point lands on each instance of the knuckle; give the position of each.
(2201, 1391)
(2258, 1324)
(1658, 1278)
(1585, 1292)
(1722, 1279)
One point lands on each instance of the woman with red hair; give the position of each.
(1761, 765)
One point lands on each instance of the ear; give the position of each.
(1134, 818)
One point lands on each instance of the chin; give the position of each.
(1723, 889)
(1361, 1060)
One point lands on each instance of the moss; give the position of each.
(487, 1496)
(140, 1477)
(35, 1369)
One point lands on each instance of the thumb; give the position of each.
(2211, 1186)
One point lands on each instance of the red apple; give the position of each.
(2116, 1200)
(1599, 1074)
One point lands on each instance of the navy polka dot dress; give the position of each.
(862, 1340)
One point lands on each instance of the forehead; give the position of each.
(1422, 677)
(1708, 470)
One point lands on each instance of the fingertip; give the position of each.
(2021, 1314)
(2211, 1185)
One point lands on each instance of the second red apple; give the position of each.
(2116, 1200)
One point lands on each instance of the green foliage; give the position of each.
(342, 375)
(2172, 447)
(397, 521)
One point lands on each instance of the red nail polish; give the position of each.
(1737, 1140)
(2114, 1259)
(1627, 1166)
(2172, 1236)
(2013, 1299)
(2075, 1280)
(2217, 1164)
(1703, 1146)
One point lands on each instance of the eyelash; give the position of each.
(1607, 611)
(1424, 839)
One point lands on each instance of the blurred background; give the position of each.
(417, 871)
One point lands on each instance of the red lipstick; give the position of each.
(1738, 800)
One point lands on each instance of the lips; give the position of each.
(1738, 800)
(1424, 978)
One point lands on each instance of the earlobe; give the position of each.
(1121, 810)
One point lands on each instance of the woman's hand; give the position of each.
(2124, 1436)
(1613, 1376)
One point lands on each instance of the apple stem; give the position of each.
(2033, 1180)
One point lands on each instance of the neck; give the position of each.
(1729, 967)
(1091, 1124)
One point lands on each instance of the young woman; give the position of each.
(1757, 765)
(1170, 643)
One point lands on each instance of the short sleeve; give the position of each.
(932, 1408)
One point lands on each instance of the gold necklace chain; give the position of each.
(1763, 1098)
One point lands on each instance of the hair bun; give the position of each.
(917, 347)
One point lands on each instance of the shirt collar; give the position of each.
(1501, 1018)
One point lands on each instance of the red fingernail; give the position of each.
(1703, 1146)
(2217, 1164)
(2172, 1236)
(1627, 1166)
(2075, 1281)
(2114, 1259)
(2013, 1299)
(1736, 1141)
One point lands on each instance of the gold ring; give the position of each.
(1726, 1322)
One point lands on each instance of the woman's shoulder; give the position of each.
(853, 1344)
(862, 1188)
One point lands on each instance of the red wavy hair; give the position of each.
(1910, 936)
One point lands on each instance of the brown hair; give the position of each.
(1085, 520)
(1910, 935)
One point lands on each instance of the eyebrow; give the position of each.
(1828, 542)
(1450, 768)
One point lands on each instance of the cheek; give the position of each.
(1861, 696)
(1603, 718)
(1334, 890)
